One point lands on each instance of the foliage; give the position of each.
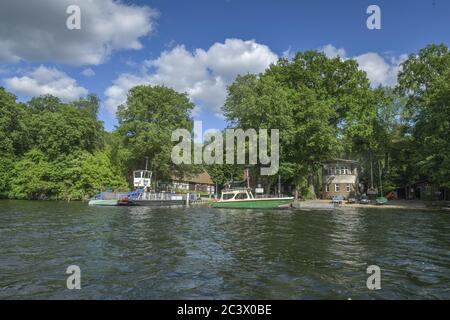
(310, 100)
(425, 82)
(146, 123)
(54, 150)
(324, 108)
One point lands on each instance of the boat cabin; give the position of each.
(237, 194)
(142, 178)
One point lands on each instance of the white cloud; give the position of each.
(236, 56)
(43, 80)
(203, 74)
(381, 70)
(88, 72)
(332, 52)
(36, 30)
(288, 53)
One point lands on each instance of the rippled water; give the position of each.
(206, 253)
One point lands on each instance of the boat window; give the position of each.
(147, 175)
(227, 196)
(137, 174)
(241, 196)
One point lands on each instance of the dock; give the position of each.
(314, 205)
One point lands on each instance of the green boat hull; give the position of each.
(254, 204)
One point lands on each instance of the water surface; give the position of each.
(206, 253)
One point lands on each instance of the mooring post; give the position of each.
(187, 198)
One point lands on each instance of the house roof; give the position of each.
(201, 178)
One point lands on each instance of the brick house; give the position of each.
(339, 177)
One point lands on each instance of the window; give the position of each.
(227, 196)
(336, 187)
(327, 188)
(137, 174)
(241, 196)
(347, 187)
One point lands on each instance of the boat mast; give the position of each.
(379, 170)
(371, 172)
(279, 186)
(247, 177)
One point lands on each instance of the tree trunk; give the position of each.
(311, 190)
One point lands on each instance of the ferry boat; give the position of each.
(141, 196)
(244, 199)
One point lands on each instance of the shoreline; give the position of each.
(392, 204)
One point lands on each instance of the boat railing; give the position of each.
(161, 196)
(269, 196)
(107, 195)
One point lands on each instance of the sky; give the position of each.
(198, 46)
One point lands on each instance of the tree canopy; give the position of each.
(323, 107)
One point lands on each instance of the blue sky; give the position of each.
(184, 44)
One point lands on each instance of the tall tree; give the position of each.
(425, 81)
(146, 123)
(309, 99)
(14, 137)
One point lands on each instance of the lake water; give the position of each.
(206, 253)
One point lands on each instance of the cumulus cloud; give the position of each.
(88, 72)
(333, 52)
(43, 80)
(381, 70)
(36, 30)
(203, 74)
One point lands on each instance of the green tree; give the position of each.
(146, 123)
(13, 130)
(14, 137)
(86, 174)
(59, 129)
(309, 99)
(425, 81)
(34, 177)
